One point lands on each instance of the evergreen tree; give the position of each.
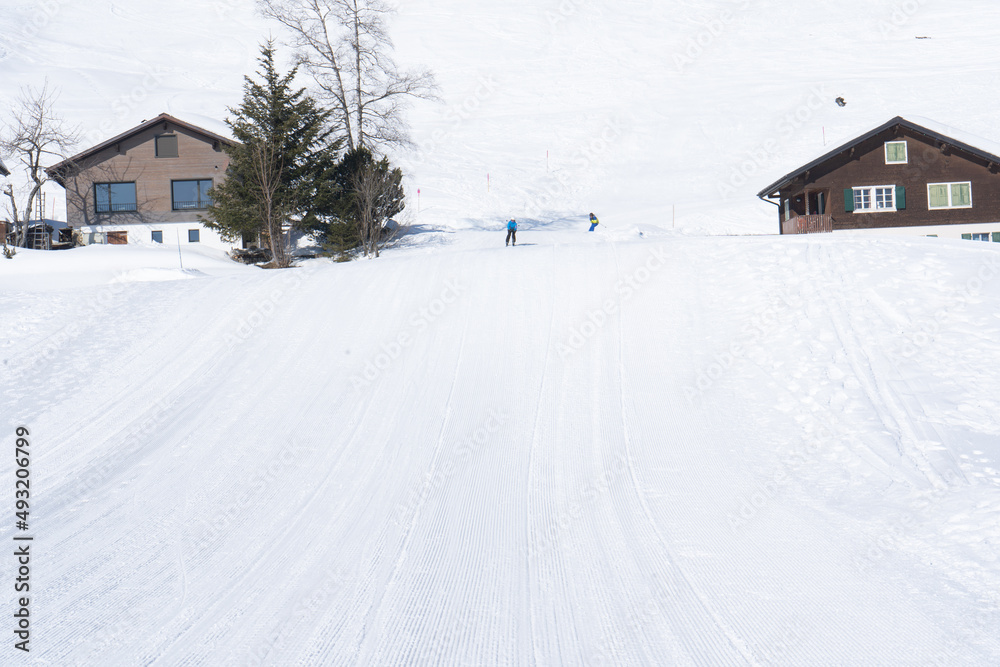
(280, 166)
(362, 194)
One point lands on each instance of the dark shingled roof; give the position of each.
(937, 135)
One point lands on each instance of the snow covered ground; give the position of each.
(625, 447)
(649, 445)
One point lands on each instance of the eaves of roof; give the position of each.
(936, 135)
(55, 170)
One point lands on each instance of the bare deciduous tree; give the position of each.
(34, 136)
(344, 45)
(79, 177)
(378, 197)
(266, 168)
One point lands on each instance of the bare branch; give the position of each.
(346, 48)
(34, 137)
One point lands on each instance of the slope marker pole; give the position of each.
(179, 258)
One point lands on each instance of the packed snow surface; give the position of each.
(622, 447)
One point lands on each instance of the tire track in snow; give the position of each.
(365, 639)
(530, 477)
(195, 367)
(916, 423)
(894, 417)
(696, 603)
(277, 543)
(279, 554)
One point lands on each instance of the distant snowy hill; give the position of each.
(641, 112)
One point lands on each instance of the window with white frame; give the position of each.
(981, 237)
(949, 195)
(895, 152)
(876, 198)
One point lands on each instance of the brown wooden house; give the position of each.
(902, 176)
(147, 185)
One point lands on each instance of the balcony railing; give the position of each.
(807, 224)
(182, 205)
(127, 207)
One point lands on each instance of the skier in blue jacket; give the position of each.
(593, 222)
(511, 232)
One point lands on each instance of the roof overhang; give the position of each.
(58, 171)
(773, 189)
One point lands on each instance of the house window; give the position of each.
(157, 236)
(166, 145)
(114, 197)
(194, 235)
(878, 198)
(191, 194)
(118, 238)
(981, 237)
(895, 152)
(949, 195)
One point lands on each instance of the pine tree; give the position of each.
(280, 166)
(363, 194)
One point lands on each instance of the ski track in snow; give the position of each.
(491, 496)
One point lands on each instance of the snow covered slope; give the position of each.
(639, 111)
(611, 448)
(631, 447)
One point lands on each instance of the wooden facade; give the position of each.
(134, 178)
(899, 175)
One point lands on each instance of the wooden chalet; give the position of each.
(918, 178)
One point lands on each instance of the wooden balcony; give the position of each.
(807, 224)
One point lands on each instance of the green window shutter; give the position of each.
(849, 200)
(961, 194)
(895, 151)
(996, 237)
(967, 237)
(900, 197)
(937, 196)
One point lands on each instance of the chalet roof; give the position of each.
(56, 169)
(4, 171)
(968, 143)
